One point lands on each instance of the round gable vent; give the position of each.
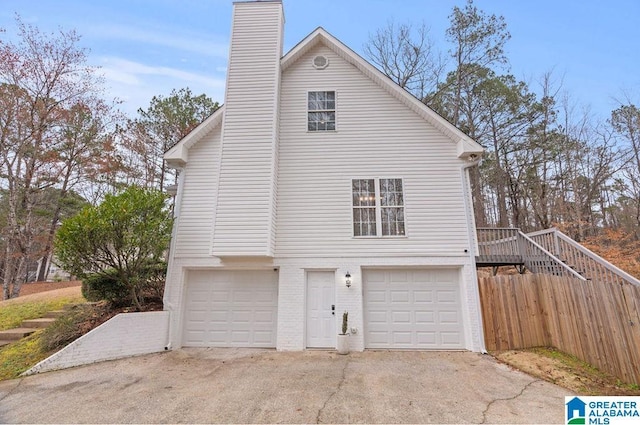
(320, 62)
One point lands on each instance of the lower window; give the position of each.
(378, 207)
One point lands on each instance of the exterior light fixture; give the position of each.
(347, 280)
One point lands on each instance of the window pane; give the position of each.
(364, 222)
(392, 221)
(364, 211)
(321, 111)
(364, 193)
(391, 192)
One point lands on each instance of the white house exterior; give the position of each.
(318, 166)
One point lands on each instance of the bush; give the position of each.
(105, 286)
(117, 244)
(152, 286)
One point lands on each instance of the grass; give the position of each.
(12, 315)
(19, 356)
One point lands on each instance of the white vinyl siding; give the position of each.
(379, 137)
(245, 211)
(194, 224)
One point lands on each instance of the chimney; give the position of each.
(245, 214)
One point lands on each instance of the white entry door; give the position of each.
(321, 319)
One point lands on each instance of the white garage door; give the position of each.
(231, 309)
(413, 309)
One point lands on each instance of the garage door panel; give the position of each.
(231, 309)
(451, 338)
(412, 309)
(425, 317)
(377, 296)
(422, 296)
(447, 296)
(401, 338)
(398, 277)
(399, 296)
(401, 317)
(426, 339)
(448, 317)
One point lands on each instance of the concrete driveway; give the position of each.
(263, 386)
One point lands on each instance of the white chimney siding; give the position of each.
(244, 223)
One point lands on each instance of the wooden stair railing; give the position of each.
(586, 262)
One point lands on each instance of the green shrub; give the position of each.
(105, 286)
(125, 233)
(154, 276)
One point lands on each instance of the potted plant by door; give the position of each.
(343, 338)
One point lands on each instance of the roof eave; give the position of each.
(178, 155)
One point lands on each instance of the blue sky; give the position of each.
(148, 47)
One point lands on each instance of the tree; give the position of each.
(42, 78)
(120, 237)
(478, 43)
(159, 127)
(407, 56)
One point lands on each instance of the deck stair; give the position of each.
(509, 246)
(548, 252)
(588, 263)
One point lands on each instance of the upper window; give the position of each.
(321, 111)
(378, 207)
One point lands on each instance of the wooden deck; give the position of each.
(499, 260)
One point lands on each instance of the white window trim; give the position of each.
(378, 208)
(306, 112)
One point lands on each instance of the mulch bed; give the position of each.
(36, 287)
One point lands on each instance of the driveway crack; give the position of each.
(484, 413)
(342, 380)
(12, 390)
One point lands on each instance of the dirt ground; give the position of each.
(37, 287)
(41, 291)
(566, 371)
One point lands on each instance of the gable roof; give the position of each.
(178, 155)
(466, 148)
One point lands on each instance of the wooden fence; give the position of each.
(596, 322)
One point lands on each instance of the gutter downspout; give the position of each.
(471, 224)
(167, 305)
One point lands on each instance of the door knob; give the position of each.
(333, 309)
